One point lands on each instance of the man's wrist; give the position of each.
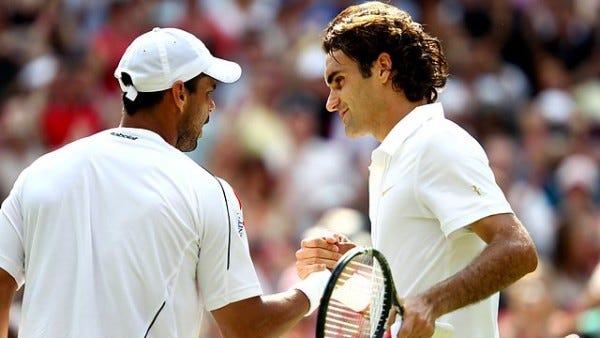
(313, 287)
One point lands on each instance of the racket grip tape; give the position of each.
(313, 287)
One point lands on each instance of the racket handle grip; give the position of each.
(313, 287)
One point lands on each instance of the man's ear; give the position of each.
(178, 94)
(383, 67)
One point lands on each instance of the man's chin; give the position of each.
(352, 133)
(188, 146)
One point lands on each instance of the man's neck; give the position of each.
(152, 121)
(395, 114)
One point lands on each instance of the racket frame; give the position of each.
(336, 273)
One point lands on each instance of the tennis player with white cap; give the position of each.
(120, 234)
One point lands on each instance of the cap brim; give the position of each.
(224, 71)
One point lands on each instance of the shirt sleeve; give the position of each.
(12, 254)
(456, 182)
(226, 271)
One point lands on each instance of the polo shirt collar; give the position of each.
(411, 122)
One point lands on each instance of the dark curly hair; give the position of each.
(364, 31)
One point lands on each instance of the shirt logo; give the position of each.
(477, 190)
(240, 216)
(240, 227)
(124, 135)
(240, 223)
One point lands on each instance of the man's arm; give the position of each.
(509, 255)
(272, 315)
(264, 316)
(8, 287)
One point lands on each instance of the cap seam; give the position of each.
(164, 62)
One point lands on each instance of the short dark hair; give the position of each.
(364, 31)
(145, 100)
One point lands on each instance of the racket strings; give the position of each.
(358, 296)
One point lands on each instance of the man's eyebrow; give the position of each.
(331, 76)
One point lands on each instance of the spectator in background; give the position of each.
(112, 38)
(531, 310)
(529, 201)
(198, 22)
(587, 316)
(69, 113)
(18, 135)
(575, 256)
(320, 175)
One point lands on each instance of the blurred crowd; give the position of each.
(525, 81)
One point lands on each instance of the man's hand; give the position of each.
(320, 253)
(418, 319)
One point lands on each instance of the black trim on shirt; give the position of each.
(154, 319)
(228, 222)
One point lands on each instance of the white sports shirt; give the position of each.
(122, 235)
(429, 180)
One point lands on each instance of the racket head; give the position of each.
(358, 297)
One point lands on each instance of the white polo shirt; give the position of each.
(122, 235)
(429, 180)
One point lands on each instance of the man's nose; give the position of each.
(332, 102)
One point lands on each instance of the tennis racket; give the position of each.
(358, 298)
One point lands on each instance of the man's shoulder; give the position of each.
(72, 149)
(444, 131)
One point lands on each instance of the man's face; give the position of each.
(350, 94)
(195, 114)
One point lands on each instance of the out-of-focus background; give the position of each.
(525, 82)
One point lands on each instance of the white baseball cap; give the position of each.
(157, 59)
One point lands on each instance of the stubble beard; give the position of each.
(187, 140)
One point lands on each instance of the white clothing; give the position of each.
(429, 180)
(122, 235)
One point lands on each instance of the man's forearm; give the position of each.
(8, 287)
(284, 317)
(264, 316)
(500, 264)
(4, 328)
(4, 314)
